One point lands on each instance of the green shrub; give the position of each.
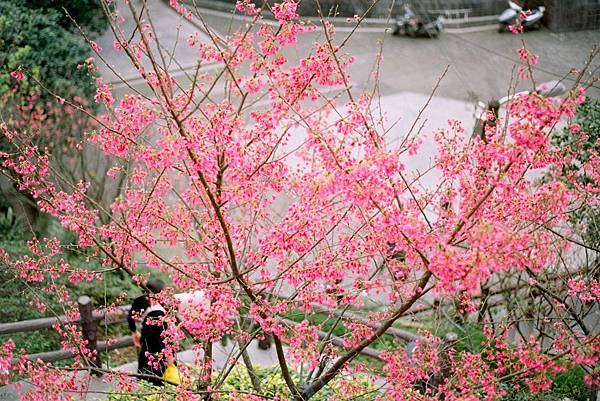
(35, 40)
(588, 118)
(566, 386)
(271, 381)
(470, 336)
(11, 226)
(86, 13)
(570, 384)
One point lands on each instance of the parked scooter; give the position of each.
(412, 25)
(514, 14)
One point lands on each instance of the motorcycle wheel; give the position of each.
(396, 31)
(501, 28)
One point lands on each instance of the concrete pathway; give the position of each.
(403, 111)
(172, 31)
(99, 389)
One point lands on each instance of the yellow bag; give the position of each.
(172, 374)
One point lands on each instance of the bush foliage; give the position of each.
(86, 13)
(272, 385)
(37, 41)
(586, 121)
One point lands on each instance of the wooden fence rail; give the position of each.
(89, 320)
(54, 356)
(118, 316)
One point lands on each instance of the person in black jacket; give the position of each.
(146, 310)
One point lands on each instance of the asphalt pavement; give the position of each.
(482, 63)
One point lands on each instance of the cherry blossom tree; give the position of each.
(259, 187)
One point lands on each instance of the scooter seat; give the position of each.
(537, 14)
(507, 15)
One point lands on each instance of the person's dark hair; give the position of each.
(155, 286)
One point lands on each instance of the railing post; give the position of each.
(264, 343)
(89, 329)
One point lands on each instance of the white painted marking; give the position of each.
(180, 72)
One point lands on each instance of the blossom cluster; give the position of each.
(302, 202)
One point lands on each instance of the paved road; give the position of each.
(172, 32)
(481, 63)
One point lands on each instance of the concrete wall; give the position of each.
(561, 15)
(476, 7)
(347, 8)
(572, 15)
